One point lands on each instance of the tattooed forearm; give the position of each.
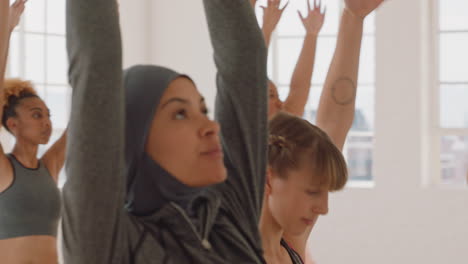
(344, 91)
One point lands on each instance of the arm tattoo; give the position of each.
(344, 91)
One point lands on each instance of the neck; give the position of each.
(26, 154)
(271, 233)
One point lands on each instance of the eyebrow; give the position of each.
(35, 108)
(180, 100)
(38, 109)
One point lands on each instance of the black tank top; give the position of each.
(30, 206)
(295, 257)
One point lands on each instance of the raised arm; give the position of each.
(93, 195)
(336, 108)
(54, 158)
(272, 14)
(9, 19)
(337, 103)
(302, 76)
(241, 101)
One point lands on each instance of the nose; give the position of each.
(209, 128)
(48, 123)
(321, 207)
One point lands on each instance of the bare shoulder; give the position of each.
(6, 172)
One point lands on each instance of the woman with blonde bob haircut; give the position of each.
(303, 167)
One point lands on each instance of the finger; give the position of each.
(284, 7)
(316, 4)
(277, 4)
(324, 11)
(300, 15)
(308, 5)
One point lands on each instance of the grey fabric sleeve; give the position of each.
(93, 195)
(241, 101)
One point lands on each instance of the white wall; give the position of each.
(398, 221)
(136, 30)
(181, 42)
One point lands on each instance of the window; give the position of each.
(284, 51)
(450, 122)
(38, 54)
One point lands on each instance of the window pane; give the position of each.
(323, 56)
(367, 61)
(452, 14)
(364, 115)
(40, 89)
(369, 24)
(58, 102)
(287, 55)
(14, 56)
(290, 24)
(56, 16)
(453, 57)
(270, 64)
(283, 92)
(34, 16)
(56, 60)
(310, 112)
(34, 55)
(453, 106)
(359, 156)
(454, 159)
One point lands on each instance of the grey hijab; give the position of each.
(149, 185)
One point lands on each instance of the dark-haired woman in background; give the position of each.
(29, 197)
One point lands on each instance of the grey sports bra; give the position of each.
(30, 206)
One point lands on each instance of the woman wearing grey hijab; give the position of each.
(191, 195)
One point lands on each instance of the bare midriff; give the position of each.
(29, 250)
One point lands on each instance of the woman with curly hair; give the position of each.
(29, 197)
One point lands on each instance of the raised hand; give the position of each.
(16, 10)
(313, 21)
(272, 14)
(362, 8)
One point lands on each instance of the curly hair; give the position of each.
(294, 142)
(15, 90)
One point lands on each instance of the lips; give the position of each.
(307, 221)
(214, 152)
(46, 133)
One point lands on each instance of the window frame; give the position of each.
(275, 77)
(437, 131)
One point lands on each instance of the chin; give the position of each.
(296, 233)
(218, 177)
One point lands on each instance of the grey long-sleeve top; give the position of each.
(96, 227)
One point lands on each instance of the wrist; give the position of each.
(267, 31)
(312, 34)
(348, 14)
